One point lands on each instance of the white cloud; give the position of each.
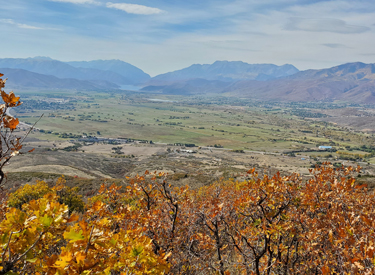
(134, 8)
(76, 1)
(324, 25)
(22, 26)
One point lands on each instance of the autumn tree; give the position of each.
(265, 225)
(66, 195)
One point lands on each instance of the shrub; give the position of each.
(65, 195)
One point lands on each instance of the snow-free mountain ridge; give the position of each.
(122, 73)
(228, 71)
(351, 82)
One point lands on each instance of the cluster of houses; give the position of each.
(325, 147)
(103, 140)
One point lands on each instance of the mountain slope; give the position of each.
(349, 71)
(23, 79)
(134, 74)
(226, 71)
(47, 66)
(352, 82)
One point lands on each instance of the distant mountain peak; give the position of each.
(116, 72)
(41, 58)
(136, 75)
(228, 71)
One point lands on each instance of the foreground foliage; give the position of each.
(263, 225)
(66, 195)
(268, 225)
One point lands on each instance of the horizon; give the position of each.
(47, 57)
(164, 36)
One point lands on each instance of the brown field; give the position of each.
(98, 164)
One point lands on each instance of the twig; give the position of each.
(6, 248)
(32, 127)
(31, 247)
(88, 243)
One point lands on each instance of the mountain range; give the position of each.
(351, 82)
(22, 79)
(102, 74)
(226, 71)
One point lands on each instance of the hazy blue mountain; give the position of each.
(42, 65)
(134, 74)
(226, 71)
(23, 79)
(48, 66)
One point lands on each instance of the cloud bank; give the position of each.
(324, 25)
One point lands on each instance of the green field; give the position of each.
(201, 121)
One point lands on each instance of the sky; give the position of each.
(166, 35)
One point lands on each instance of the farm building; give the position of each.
(325, 147)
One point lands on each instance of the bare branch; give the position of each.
(88, 242)
(31, 247)
(6, 248)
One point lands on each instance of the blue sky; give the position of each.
(160, 36)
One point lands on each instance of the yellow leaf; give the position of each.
(73, 235)
(64, 260)
(80, 257)
(167, 255)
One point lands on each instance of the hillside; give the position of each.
(130, 75)
(226, 71)
(23, 79)
(352, 82)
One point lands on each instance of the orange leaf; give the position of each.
(325, 270)
(367, 220)
(11, 100)
(13, 123)
(73, 218)
(10, 122)
(97, 206)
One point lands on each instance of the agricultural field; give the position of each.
(227, 136)
(250, 126)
